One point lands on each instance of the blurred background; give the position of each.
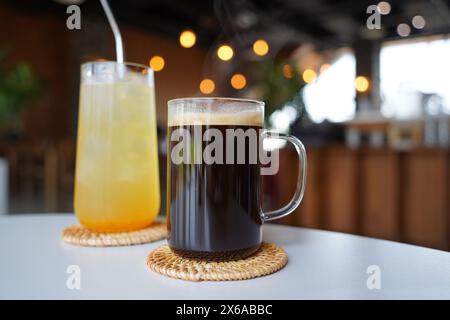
(364, 84)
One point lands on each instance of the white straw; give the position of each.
(115, 30)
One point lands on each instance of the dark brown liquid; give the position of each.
(213, 211)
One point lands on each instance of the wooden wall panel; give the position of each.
(387, 194)
(340, 188)
(309, 212)
(379, 194)
(40, 41)
(425, 187)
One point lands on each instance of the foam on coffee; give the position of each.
(242, 118)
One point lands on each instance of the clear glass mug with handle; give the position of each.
(117, 177)
(214, 177)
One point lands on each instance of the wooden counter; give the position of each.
(382, 193)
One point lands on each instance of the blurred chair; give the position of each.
(34, 169)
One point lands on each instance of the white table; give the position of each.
(322, 265)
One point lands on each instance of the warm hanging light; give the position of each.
(361, 84)
(324, 67)
(157, 63)
(309, 75)
(187, 39)
(238, 81)
(207, 86)
(225, 52)
(260, 47)
(288, 72)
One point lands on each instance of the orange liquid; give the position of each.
(117, 178)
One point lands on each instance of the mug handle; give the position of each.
(301, 179)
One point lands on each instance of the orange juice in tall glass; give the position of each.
(117, 178)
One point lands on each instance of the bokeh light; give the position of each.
(238, 81)
(403, 30)
(157, 63)
(384, 7)
(361, 84)
(324, 67)
(288, 71)
(207, 86)
(260, 47)
(418, 22)
(187, 39)
(225, 52)
(309, 75)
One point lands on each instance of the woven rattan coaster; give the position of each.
(81, 236)
(268, 259)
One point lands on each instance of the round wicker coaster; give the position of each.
(81, 236)
(268, 259)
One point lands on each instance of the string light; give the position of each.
(187, 39)
(207, 86)
(324, 67)
(225, 52)
(384, 7)
(309, 75)
(403, 30)
(288, 72)
(238, 81)
(418, 22)
(157, 63)
(361, 84)
(260, 47)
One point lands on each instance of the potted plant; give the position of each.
(19, 87)
(281, 88)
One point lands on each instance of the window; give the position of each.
(410, 68)
(332, 95)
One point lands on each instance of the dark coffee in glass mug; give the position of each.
(213, 195)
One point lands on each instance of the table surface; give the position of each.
(322, 265)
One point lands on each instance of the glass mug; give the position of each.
(117, 177)
(213, 197)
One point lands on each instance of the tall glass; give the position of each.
(117, 177)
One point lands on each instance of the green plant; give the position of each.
(281, 85)
(19, 87)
